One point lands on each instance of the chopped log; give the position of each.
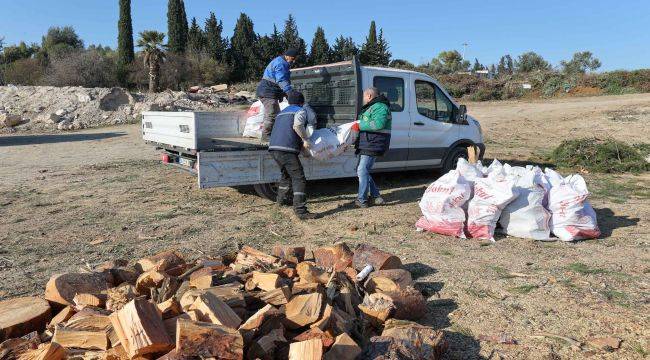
(262, 322)
(351, 273)
(170, 324)
(388, 280)
(116, 353)
(316, 333)
(81, 339)
(309, 273)
(303, 310)
(169, 261)
(341, 322)
(377, 308)
(89, 322)
(265, 346)
(339, 256)
(149, 279)
(123, 275)
(167, 289)
(406, 340)
(249, 257)
(292, 254)
(324, 321)
(366, 254)
(208, 340)
(170, 308)
(250, 285)
(61, 289)
(344, 348)
(345, 296)
(203, 278)
(211, 309)
(84, 299)
(50, 351)
(306, 350)
(119, 296)
(266, 281)
(277, 297)
(17, 347)
(20, 316)
(231, 294)
(409, 303)
(287, 273)
(301, 288)
(140, 329)
(62, 316)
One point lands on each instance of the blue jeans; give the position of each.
(366, 183)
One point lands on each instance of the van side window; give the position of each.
(444, 107)
(425, 98)
(393, 89)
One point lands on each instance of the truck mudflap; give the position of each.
(216, 169)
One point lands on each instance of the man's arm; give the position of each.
(375, 119)
(300, 126)
(283, 76)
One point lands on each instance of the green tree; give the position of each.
(125, 53)
(477, 65)
(531, 61)
(506, 66)
(196, 38)
(153, 48)
(402, 64)
(291, 39)
(18, 52)
(375, 50)
(320, 50)
(177, 26)
(271, 45)
(60, 41)
(448, 62)
(243, 50)
(2, 43)
(581, 62)
(216, 44)
(343, 49)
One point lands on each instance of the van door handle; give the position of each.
(418, 123)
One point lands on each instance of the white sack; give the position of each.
(491, 195)
(331, 142)
(442, 204)
(525, 216)
(255, 119)
(572, 217)
(469, 171)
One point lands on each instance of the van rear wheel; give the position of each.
(452, 158)
(267, 191)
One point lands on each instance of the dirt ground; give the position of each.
(67, 200)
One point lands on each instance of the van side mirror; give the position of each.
(461, 118)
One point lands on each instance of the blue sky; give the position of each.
(615, 31)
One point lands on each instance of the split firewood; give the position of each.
(208, 340)
(345, 297)
(289, 253)
(119, 296)
(167, 290)
(203, 278)
(310, 273)
(149, 279)
(50, 351)
(408, 339)
(377, 308)
(303, 310)
(140, 329)
(81, 339)
(324, 321)
(116, 353)
(84, 299)
(306, 350)
(344, 348)
(287, 273)
(211, 309)
(249, 257)
(366, 254)
(277, 297)
(388, 280)
(260, 323)
(170, 308)
(316, 333)
(62, 316)
(170, 324)
(61, 289)
(264, 347)
(169, 261)
(265, 281)
(339, 256)
(15, 348)
(20, 316)
(409, 303)
(123, 275)
(306, 287)
(89, 322)
(341, 321)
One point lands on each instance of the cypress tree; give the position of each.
(125, 51)
(271, 45)
(291, 39)
(215, 44)
(344, 49)
(243, 50)
(195, 38)
(370, 49)
(382, 46)
(184, 25)
(320, 49)
(177, 27)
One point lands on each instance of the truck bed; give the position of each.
(230, 144)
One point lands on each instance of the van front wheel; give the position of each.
(267, 191)
(452, 158)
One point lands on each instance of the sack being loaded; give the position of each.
(442, 205)
(572, 218)
(525, 216)
(331, 142)
(255, 119)
(491, 195)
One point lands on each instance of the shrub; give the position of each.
(82, 68)
(22, 72)
(596, 155)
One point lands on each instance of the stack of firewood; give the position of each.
(333, 304)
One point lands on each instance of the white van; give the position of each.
(429, 129)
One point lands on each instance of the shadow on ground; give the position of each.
(608, 221)
(56, 138)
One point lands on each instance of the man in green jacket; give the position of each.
(373, 125)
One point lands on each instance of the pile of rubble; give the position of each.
(44, 108)
(338, 304)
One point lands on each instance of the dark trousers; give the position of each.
(271, 110)
(293, 178)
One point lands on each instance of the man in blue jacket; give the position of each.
(288, 138)
(275, 83)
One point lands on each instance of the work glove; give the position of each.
(355, 126)
(306, 144)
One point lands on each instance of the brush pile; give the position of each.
(337, 304)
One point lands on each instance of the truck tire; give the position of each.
(267, 191)
(452, 158)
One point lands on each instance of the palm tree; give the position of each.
(152, 45)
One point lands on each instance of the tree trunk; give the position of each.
(154, 69)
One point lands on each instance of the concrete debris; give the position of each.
(94, 107)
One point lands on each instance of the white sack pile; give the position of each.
(526, 202)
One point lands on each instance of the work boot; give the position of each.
(376, 201)
(360, 204)
(306, 215)
(300, 208)
(283, 197)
